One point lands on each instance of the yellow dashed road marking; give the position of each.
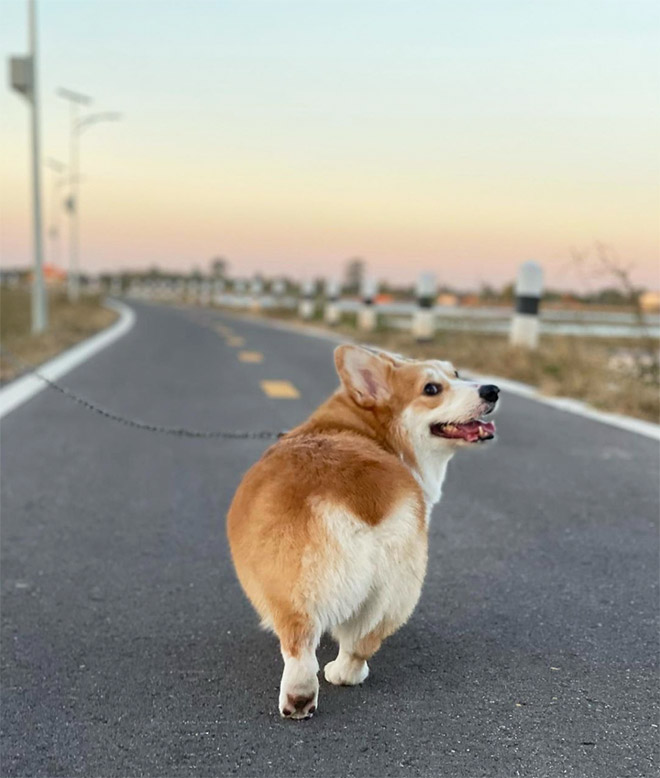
(235, 341)
(280, 389)
(250, 356)
(222, 330)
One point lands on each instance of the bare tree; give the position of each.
(604, 261)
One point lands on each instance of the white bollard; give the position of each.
(525, 321)
(277, 292)
(205, 293)
(367, 318)
(423, 322)
(240, 287)
(332, 312)
(256, 290)
(278, 287)
(306, 306)
(218, 290)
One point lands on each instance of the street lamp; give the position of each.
(57, 168)
(77, 128)
(23, 76)
(76, 99)
(95, 118)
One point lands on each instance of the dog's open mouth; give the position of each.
(471, 431)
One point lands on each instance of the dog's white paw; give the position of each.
(299, 690)
(343, 673)
(299, 706)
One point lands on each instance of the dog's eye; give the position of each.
(432, 389)
(456, 374)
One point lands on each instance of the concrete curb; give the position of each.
(22, 389)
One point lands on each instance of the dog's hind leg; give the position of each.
(299, 688)
(350, 667)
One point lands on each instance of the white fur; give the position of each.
(346, 670)
(433, 453)
(371, 575)
(299, 679)
(462, 402)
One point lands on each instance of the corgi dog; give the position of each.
(328, 530)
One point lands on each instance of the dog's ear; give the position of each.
(364, 374)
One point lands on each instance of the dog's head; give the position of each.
(425, 401)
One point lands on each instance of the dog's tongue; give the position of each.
(470, 430)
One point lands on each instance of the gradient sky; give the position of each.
(288, 135)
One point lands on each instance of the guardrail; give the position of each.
(401, 315)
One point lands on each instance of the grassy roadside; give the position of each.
(69, 323)
(594, 370)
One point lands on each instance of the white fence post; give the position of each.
(423, 323)
(218, 289)
(277, 290)
(256, 289)
(332, 295)
(367, 315)
(306, 306)
(205, 293)
(525, 321)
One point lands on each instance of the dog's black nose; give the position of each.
(489, 393)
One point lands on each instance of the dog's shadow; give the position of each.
(246, 666)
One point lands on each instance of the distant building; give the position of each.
(650, 301)
(447, 298)
(53, 275)
(471, 299)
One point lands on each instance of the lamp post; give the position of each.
(57, 168)
(76, 99)
(23, 76)
(77, 127)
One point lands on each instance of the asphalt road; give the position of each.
(128, 648)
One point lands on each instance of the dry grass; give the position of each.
(69, 323)
(565, 366)
(562, 366)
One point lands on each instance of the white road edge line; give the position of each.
(577, 407)
(22, 389)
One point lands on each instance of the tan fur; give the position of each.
(338, 492)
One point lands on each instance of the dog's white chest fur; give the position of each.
(430, 467)
(430, 474)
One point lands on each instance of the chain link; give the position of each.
(180, 432)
